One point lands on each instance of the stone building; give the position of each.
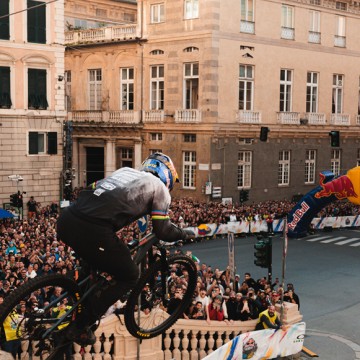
(200, 80)
(31, 98)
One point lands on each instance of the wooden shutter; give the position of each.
(33, 142)
(37, 89)
(36, 26)
(4, 21)
(52, 142)
(5, 100)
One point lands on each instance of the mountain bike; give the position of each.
(53, 301)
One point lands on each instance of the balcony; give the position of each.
(153, 116)
(189, 116)
(105, 34)
(339, 41)
(315, 118)
(287, 33)
(121, 117)
(289, 118)
(248, 117)
(314, 37)
(247, 27)
(340, 119)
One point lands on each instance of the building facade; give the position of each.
(31, 98)
(202, 80)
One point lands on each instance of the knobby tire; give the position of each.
(131, 314)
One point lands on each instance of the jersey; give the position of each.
(125, 196)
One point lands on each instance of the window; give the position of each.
(244, 169)
(314, 31)
(358, 112)
(36, 22)
(42, 143)
(358, 158)
(335, 162)
(95, 89)
(153, 151)
(191, 49)
(157, 52)
(4, 20)
(157, 13)
(37, 93)
(246, 87)
(340, 37)
(156, 136)
(285, 90)
(284, 168)
(247, 10)
(310, 165)
(157, 93)
(315, 2)
(341, 6)
(191, 10)
(287, 16)
(191, 85)
(312, 92)
(126, 157)
(337, 94)
(127, 88)
(189, 169)
(5, 99)
(68, 90)
(190, 138)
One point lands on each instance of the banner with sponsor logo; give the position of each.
(262, 344)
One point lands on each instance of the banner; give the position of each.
(231, 248)
(262, 344)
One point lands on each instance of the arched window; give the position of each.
(157, 52)
(191, 49)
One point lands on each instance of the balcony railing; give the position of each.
(292, 118)
(315, 118)
(153, 116)
(121, 32)
(340, 119)
(314, 37)
(248, 117)
(287, 33)
(247, 27)
(188, 116)
(99, 116)
(339, 41)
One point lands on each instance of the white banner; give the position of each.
(262, 344)
(231, 247)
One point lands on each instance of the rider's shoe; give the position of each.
(83, 336)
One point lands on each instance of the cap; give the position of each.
(218, 297)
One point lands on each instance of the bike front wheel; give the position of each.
(151, 307)
(36, 312)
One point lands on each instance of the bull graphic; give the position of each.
(340, 187)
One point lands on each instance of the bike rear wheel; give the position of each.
(30, 313)
(156, 299)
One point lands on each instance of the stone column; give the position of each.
(110, 157)
(137, 155)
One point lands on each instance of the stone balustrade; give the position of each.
(186, 340)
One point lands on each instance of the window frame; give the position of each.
(310, 166)
(284, 168)
(35, 94)
(286, 85)
(287, 16)
(157, 87)
(312, 90)
(127, 88)
(157, 13)
(191, 9)
(244, 169)
(248, 86)
(191, 85)
(96, 103)
(5, 21)
(189, 170)
(49, 142)
(335, 161)
(5, 87)
(36, 32)
(337, 94)
(247, 14)
(126, 156)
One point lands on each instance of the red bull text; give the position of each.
(298, 214)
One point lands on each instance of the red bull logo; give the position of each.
(340, 187)
(298, 214)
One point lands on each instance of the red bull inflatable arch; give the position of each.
(331, 188)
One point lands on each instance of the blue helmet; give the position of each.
(161, 166)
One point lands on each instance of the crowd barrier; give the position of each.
(253, 227)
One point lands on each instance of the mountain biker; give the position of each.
(89, 227)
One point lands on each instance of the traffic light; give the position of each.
(264, 133)
(335, 138)
(19, 200)
(244, 195)
(13, 199)
(263, 253)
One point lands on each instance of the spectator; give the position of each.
(268, 319)
(215, 309)
(198, 312)
(32, 208)
(294, 298)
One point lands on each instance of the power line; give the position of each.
(27, 9)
